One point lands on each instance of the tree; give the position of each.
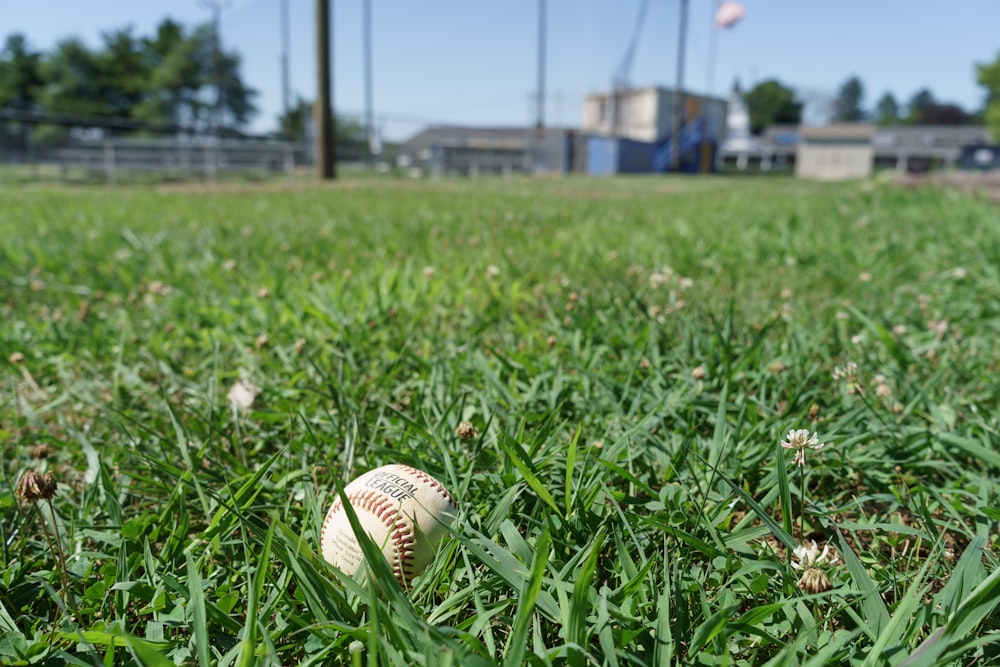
(847, 105)
(944, 114)
(769, 103)
(178, 72)
(71, 80)
(352, 139)
(988, 76)
(921, 100)
(171, 78)
(122, 72)
(238, 107)
(20, 75)
(887, 110)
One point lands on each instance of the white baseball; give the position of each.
(403, 509)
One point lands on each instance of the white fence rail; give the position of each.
(115, 158)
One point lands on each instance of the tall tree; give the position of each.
(921, 100)
(769, 103)
(352, 137)
(72, 80)
(122, 71)
(988, 76)
(238, 106)
(945, 113)
(847, 105)
(20, 75)
(887, 110)
(171, 77)
(179, 69)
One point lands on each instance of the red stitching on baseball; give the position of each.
(389, 513)
(400, 532)
(433, 483)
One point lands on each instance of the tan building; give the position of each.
(645, 114)
(835, 152)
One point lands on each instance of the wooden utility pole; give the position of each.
(326, 145)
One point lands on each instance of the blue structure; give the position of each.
(979, 156)
(696, 136)
(614, 155)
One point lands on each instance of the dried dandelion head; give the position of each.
(814, 580)
(466, 431)
(40, 451)
(242, 394)
(34, 486)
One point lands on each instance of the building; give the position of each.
(646, 114)
(920, 148)
(742, 150)
(979, 156)
(471, 151)
(835, 152)
(630, 130)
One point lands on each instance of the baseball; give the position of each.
(403, 509)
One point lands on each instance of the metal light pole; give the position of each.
(677, 116)
(216, 7)
(286, 95)
(712, 41)
(540, 95)
(369, 105)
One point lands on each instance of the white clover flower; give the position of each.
(799, 440)
(849, 372)
(810, 556)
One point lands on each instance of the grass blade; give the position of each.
(196, 607)
(517, 644)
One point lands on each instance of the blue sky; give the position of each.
(475, 61)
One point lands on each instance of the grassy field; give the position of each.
(632, 354)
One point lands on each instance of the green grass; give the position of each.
(631, 352)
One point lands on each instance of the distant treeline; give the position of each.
(770, 102)
(175, 77)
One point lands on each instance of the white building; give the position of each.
(740, 148)
(645, 114)
(835, 152)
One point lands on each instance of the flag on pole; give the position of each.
(729, 14)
